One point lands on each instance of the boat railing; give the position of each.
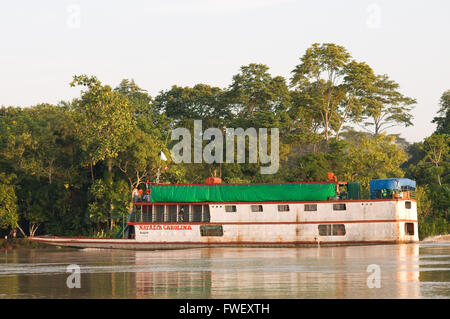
(137, 216)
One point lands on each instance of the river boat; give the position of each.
(215, 214)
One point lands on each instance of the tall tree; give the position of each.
(338, 90)
(386, 106)
(201, 102)
(254, 89)
(319, 79)
(103, 118)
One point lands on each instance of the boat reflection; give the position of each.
(332, 272)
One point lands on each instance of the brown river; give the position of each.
(384, 271)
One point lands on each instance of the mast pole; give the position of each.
(158, 174)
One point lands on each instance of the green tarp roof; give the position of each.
(242, 192)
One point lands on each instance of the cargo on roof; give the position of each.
(242, 192)
(392, 183)
(387, 187)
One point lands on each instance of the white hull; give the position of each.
(362, 222)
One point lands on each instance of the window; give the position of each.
(230, 209)
(185, 216)
(257, 208)
(206, 215)
(310, 207)
(139, 214)
(211, 230)
(171, 213)
(134, 216)
(147, 214)
(338, 230)
(332, 230)
(283, 208)
(408, 205)
(197, 213)
(409, 229)
(159, 213)
(339, 207)
(325, 230)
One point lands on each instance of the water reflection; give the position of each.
(407, 271)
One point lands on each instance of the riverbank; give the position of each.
(437, 239)
(10, 243)
(433, 227)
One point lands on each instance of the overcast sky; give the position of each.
(184, 42)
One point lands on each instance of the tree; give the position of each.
(51, 133)
(8, 203)
(140, 100)
(429, 166)
(16, 139)
(315, 167)
(319, 79)
(443, 120)
(386, 106)
(184, 104)
(305, 124)
(111, 200)
(337, 90)
(437, 155)
(139, 158)
(356, 85)
(254, 89)
(374, 158)
(103, 118)
(37, 202)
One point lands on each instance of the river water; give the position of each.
(384, 271)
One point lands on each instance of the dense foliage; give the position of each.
(69, 169)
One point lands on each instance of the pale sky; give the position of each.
(185, 42)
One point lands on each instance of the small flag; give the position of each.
(163, 157)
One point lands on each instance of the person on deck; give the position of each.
(135, 194)
(147, 196)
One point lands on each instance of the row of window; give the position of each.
(284, 208)
(171, 213)
(324, 230)
(200, 213)
(307, 207)
(332, 230)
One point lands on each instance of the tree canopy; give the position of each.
(70, 168)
